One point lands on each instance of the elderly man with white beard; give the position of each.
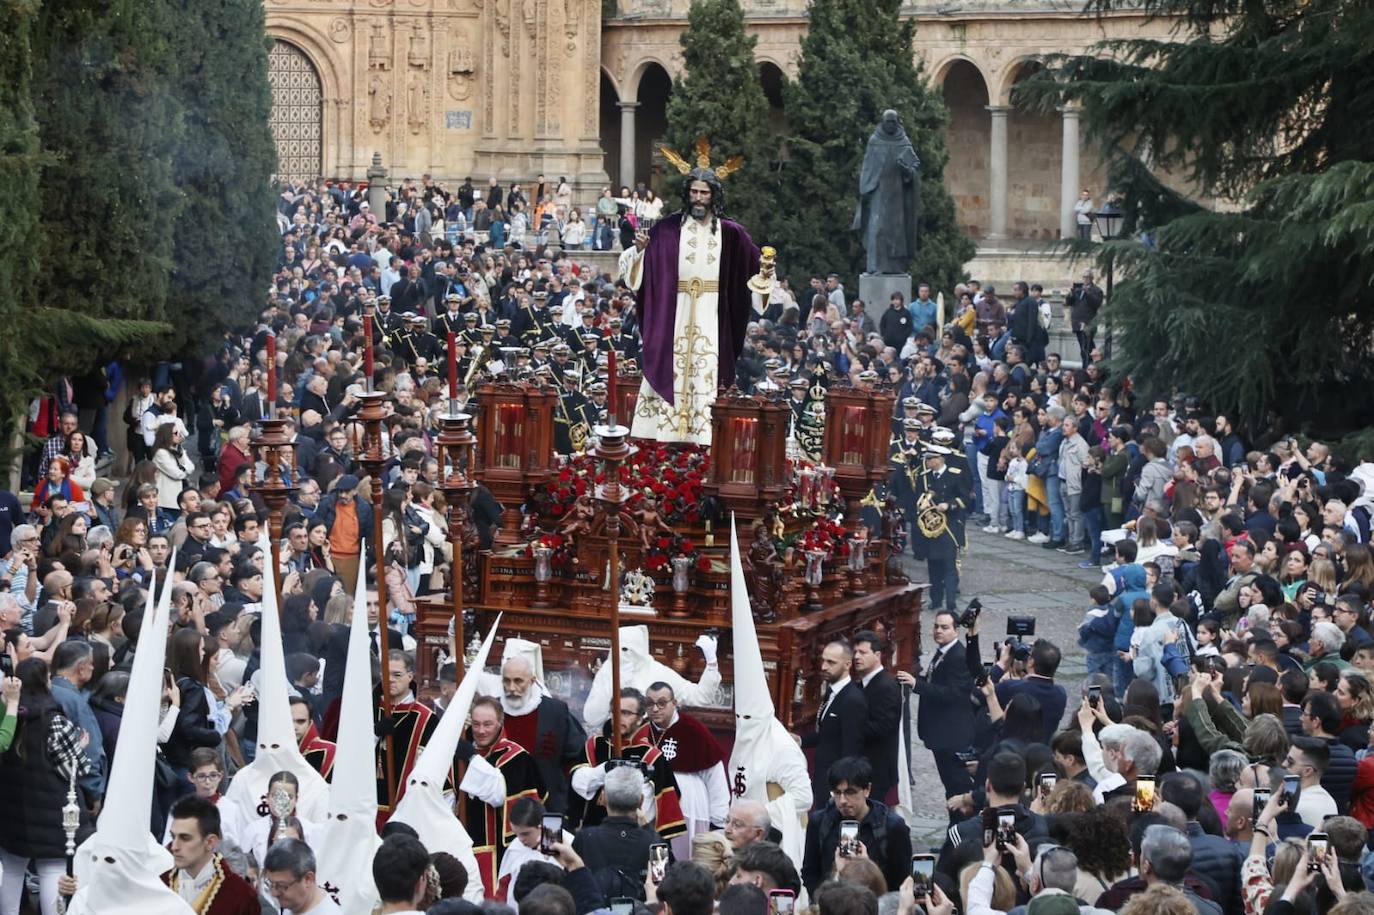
(539, 722)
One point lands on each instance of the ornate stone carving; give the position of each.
(572, 22)
(378, 49)
(417, 54)
(461, 66)
(378, 102)
(530, 14)
(417, 102)
(503, 25)
(340, 30)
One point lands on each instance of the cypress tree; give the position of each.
(226, 235)
(19, 200)
(856, 62)
(1266, 305)
(719, 96)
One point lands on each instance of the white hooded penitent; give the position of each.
(425, 806)
(344, 858)
(638, 669)
(277, 747)
(119, 868)
(766, 765)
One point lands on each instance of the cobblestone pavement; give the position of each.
(1009, 577)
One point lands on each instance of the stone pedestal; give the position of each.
(876, 290)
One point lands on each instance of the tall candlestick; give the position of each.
(367, 349)
(610, 388)
(271, 375)
(452, 366)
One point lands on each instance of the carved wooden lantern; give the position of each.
(514, 446)
(626, 396)
(748, 452)
(857, 426)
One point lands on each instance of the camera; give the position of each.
(970, 614)
(1019, 628)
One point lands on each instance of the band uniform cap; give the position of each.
(798, 383)
(911, 424)
(911, 401)
(868, 375)
(925, 408)
(932, 449)
(503, 322)
(383, 298)
(453, 297)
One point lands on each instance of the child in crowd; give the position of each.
(1097, 632)
(1016, 490)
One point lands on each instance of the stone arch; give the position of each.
(609, 124)
(968, 176)
(335, 126)
(1034, 158)
(653, 86)
(772, 76)
(940, 71)
(629, 90)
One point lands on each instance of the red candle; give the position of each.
(271, 375)
(610, 387)
(452, 366)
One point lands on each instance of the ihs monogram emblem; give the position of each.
(669, 749)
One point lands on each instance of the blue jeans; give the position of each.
(1094, 519)
(1052, 496)
(1122, 674)
(971, 452)
(1016, 505)
(1102, 662)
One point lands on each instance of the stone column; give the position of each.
(997, 172)
(1068, 174)
(376, 187)
(627, 143)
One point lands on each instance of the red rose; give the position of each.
(662, 543)
(655, 562)
(703, 563)
(687, 546)
(556, 510)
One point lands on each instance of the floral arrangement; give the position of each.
(672, 475)
(826, 536)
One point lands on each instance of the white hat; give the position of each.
(350, 832)
(424, 805)
(532, 652)
(119, 868)
(278, 750)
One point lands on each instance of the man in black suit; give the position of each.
(944, 720)
(884, 697)
(840, 719)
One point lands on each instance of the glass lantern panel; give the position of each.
(745, 434)
(510, 432)
(853, 433)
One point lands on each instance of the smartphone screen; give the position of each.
(622, 905)
(551, 832)
(781, 902)
(1144, 793)
(1261, 800)
(1316, 851)
(849, 836)
(989, 826)
(1047, 783)
(1094, 696)
(1006, 827)
(922, 874)
(658, 862)
(1291, 784)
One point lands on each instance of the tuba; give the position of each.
(930, 521)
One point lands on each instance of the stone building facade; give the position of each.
(516, 88)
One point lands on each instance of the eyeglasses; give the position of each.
(207, 778)
(276, 888)
(662, 703)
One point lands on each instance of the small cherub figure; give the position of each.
(579, 520)
(650, 521)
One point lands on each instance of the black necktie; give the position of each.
(825, 698)
(376, 650)
(935, 661)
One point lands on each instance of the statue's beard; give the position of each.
(698, 211)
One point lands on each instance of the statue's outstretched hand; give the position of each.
(641, 240)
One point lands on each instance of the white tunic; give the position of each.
(696, 349)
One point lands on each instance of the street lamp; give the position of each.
(1109, 220)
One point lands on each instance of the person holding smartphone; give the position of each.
(879, 834)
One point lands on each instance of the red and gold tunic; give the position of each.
(415, 723)
(668, 819)
(489, 826)
(318, 751)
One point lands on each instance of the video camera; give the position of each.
(1020, 628)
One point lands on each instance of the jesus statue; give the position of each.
(691, 272)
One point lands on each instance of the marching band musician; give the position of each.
(418, 343)
(571, 425)
(386, 324)
(910, 404)
(941, 501)
(907, 467)
(625, 345)
(451, 321)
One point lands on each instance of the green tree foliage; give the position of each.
(223, 167)
(719, 96)
(856, 62)
(1265, 304)
(19, 200)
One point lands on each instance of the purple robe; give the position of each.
(657, 302)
